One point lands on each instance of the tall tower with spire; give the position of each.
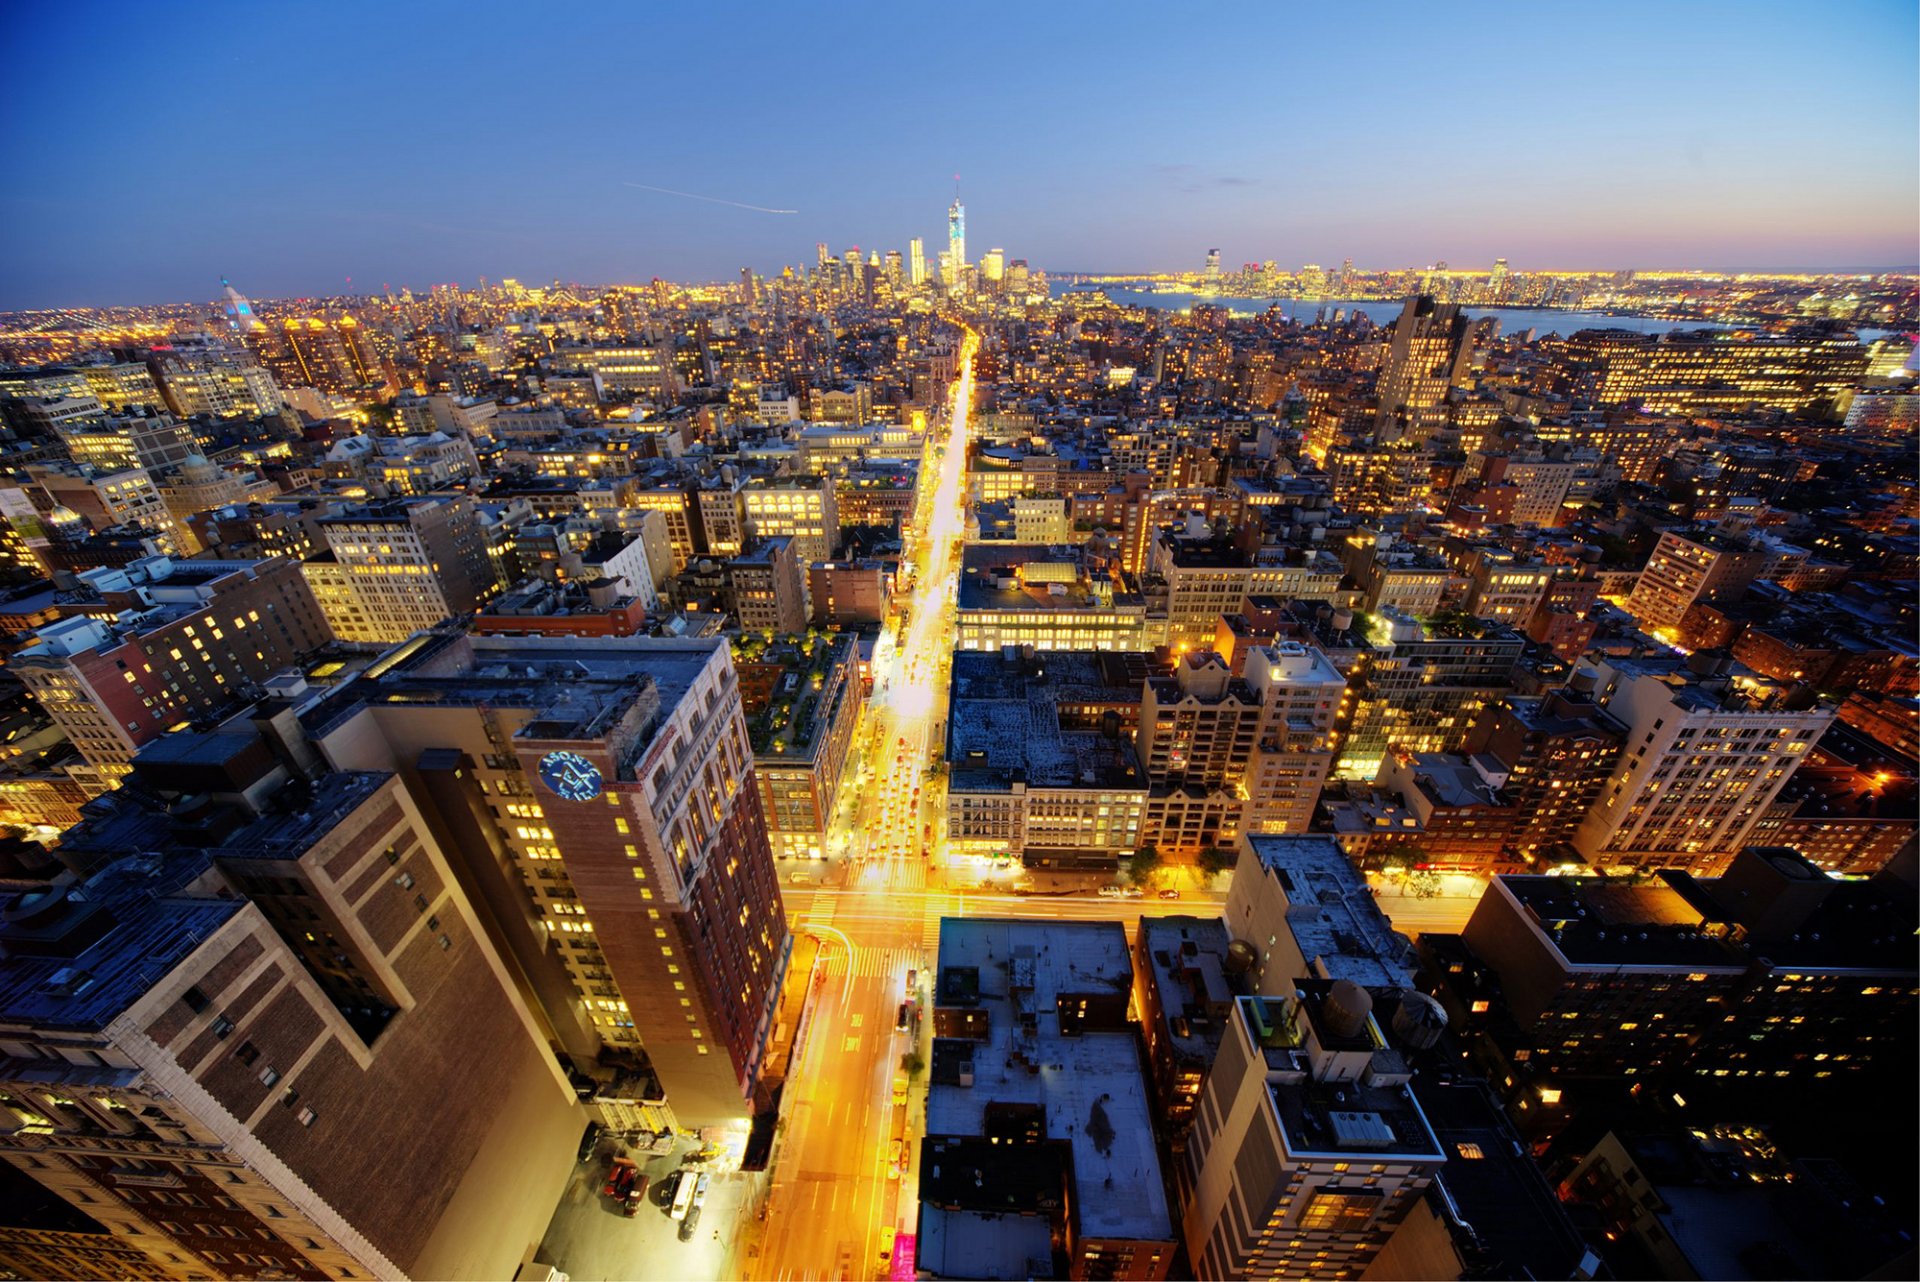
(956, 242)
(239, 310)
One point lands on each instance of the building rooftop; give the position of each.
(290, 833)
(576, 687)
(1004, 717)
(78, 954)
(1601, 923)
(1088, 1086)
(1188, 956)
(1333, 915)
(148, 594)
(1771, 903)
(765, 551)
(1373, 1118)
(1494, 1187)
(984, 1244)
(1033, 576)
(792, 690)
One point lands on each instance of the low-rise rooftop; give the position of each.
(77, 955)
(1081, 1085)
(1005, 718)
(1332, 913)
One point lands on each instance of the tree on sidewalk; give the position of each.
(1143, 863)
(1215, 860)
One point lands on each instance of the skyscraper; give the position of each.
(599, 793)
(1432, 351)
(916, 262)
(239, 309)
(956, 246)
(1213, 269)
(299, 1056)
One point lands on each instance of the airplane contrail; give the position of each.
(712, 200)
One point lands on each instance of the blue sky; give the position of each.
(294, 145)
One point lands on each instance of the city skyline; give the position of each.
(772, 642)
(331, 180)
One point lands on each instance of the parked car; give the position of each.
(590, 1140)
(901, 1016)
(896, 1159)
(689, 1224)
(900, 1089)
(1169, 893)
(621, 1179)
(636, 1196)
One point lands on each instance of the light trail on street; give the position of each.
(836, 1191)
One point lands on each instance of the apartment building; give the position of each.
(802, 703)
(769, 588)
(600, 796)
(1701, 565)
(1209, 578)
(173, 640)
(1309, 1147)
(1705, 755)
(395, 568)
(109, 498)
(800, 507)
(1771, 972)
(1556, 753)
(229, 1098)
(1421, 684)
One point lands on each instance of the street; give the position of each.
(834, 1207)
(838, 1198)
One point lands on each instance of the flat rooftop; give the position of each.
(575, 686)
(1004, 719)
(1348, 1119)
(985, 1245)
(1596, 923)
(982, 565)
(78, 955)
(291, 833)
(1332, 912)
(1090, 1085)
(1496, 1184)
(1188, 956)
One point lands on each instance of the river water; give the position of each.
(1543, 320)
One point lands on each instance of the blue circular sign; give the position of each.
(570, 775)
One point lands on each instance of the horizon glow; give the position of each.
(291, 148)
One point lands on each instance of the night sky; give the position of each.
(292, 146)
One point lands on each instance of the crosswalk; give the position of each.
(938, 906)
(878, 963)
(883, 963)
(820, 911)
